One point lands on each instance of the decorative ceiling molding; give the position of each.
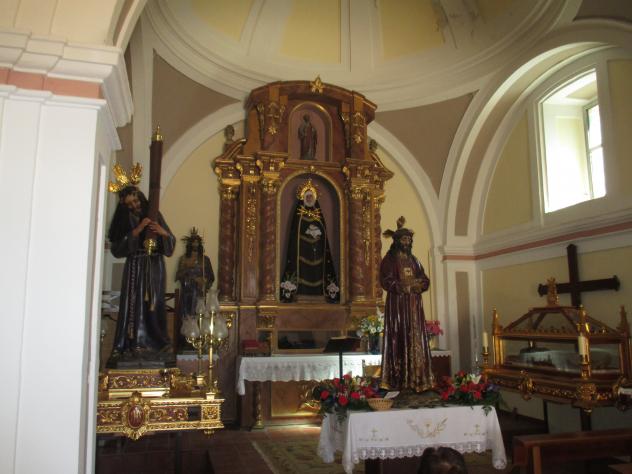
(460, 66)
(504, 97)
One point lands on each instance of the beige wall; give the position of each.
(620, 76)
(178, 103)
(59, 18)
(402, 199)
(408, 27)
(226, 16)
(512, 178)
(512, 290)
(192, 199)
(312, 31)
(427, 132)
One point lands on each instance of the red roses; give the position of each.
(469, 389)
(347, 393)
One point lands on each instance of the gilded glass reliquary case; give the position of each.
(562, 354)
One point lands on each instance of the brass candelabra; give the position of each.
(206, 331)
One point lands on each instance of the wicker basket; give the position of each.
(380, 404)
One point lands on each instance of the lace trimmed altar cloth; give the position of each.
(297, 367)
(300, 367)
(406, 433)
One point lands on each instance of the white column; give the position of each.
(54, 155)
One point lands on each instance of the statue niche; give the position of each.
(309, 133)
(310, 241)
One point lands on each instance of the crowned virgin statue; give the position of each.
(309, 269)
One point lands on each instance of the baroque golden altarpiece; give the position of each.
(259, 176)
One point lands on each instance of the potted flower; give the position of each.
(372, 327)
(433, 330)
(469, 389)
(338, 396)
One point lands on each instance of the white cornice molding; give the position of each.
(558, 249)
(529, 238)
(174, 46)
(127, 28)
(54, 57)
(532, 233)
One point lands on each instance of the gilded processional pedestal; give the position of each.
(301, 136)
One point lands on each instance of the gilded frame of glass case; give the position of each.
(562, 354)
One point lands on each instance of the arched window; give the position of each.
(572, 161)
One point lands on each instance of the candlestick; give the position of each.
(581, 344)
(485, 341)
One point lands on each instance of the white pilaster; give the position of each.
(54, 155)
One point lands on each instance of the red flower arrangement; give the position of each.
(433, 328)
(340, 395)
(469, 389)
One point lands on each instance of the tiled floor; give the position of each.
(232, 452)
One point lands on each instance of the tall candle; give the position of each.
(485, 341)
(581, 344)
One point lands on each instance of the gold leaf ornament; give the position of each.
(124, 179)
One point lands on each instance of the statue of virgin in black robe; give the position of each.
(141, 328)
(309, 269)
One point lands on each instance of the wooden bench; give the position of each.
(531, 451)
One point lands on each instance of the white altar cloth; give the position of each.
(406, 433)
(281, 368)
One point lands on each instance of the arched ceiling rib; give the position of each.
(400, 53)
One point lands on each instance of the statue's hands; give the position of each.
(420, 285)
(158, 229)
(141, 226)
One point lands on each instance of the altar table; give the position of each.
(405, 433)
(286, 368)
(298, 367)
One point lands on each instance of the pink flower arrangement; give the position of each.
(433, 328)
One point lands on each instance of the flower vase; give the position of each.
(433, 342)
(374, 344)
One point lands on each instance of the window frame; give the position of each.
(603, 209)
(589, 157)
(580, 111)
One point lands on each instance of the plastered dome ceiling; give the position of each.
(400, 53)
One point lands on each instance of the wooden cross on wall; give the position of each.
(575, 287)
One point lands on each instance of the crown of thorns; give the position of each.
(401, 230)
(193, 235)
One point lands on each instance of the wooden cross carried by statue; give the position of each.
(576, 287)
